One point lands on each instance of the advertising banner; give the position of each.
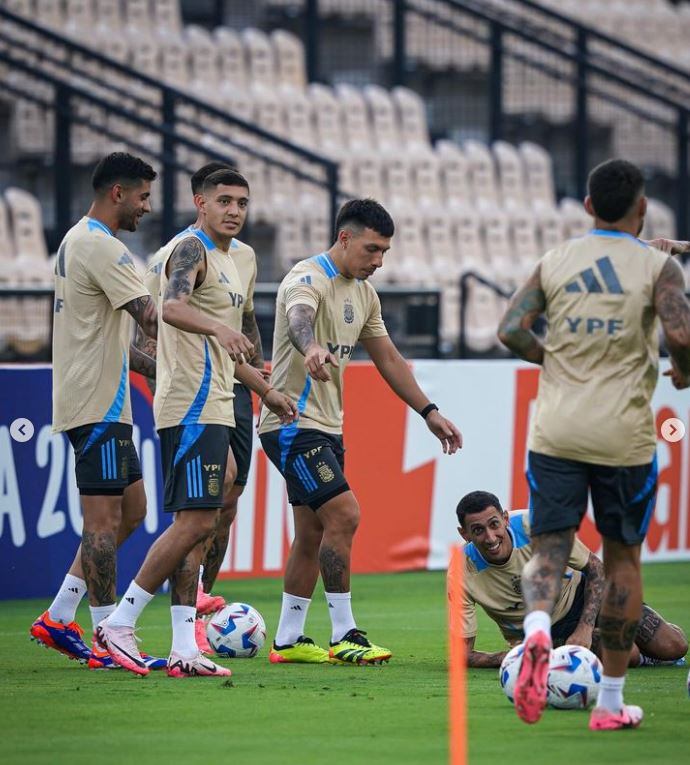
(406, 487)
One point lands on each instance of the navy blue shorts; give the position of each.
(194, 459)
(241, 436)
(311, 461)
(623, 498)
(106, 461)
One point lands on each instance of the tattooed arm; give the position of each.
(481, 659)
(143, 311)
(595, 581)
(250, 329)
(185, 266)
(515, 329)
(301, 333)
(673, 309)
(142, 354)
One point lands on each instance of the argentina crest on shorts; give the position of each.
(348, 312)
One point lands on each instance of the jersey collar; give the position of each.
(94, 224)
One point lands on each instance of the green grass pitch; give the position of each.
(54, 711)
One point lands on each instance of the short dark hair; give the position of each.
(121, 167)
(613, 187)
(225, 177)
(203, 172)
(365, 213)
(475, 502)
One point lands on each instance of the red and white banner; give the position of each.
(408, 489)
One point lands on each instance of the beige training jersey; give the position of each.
(242, 254)
(497, 589)
(347, 310)
(601, 352)
(94, 277)
(194, 373)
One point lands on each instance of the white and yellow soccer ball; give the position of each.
(237, 631)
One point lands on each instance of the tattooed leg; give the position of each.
(659, 639)
(185, 577)
(340, 518)
(622, 605)
(102, 516)
(542, 576)
(218, 543)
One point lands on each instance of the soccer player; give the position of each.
(498, 548)
(97, 289)
(593, 426)
(324, 307)
(199, 338)
(241, 435)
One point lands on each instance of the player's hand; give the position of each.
(281, 405)
(671, 246)
(679, 380)
(239, 347)
(582, 635)
(315, 362)
(449, 436)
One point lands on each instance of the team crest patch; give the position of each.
(516, 583)
(325, 472)
(349, 313)
(214, 486)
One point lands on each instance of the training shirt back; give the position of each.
(601, 352)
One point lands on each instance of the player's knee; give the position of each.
(102, 517)
(677, 643)
(227, 515)
(347, 520)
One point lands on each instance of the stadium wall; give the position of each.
(406, 487)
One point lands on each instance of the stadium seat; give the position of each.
(660, 221)
(576, 222)
(27, 225)
(455, 175)
(412, 121)
(511, 176)
(138, 17)
(7, 246)
(32, 331)
(383, 118)
(289, 59)
(232, 62)
(482, 174)
(425, 172)
(358, 130)
(203, 63)
(298, 117)
(167, 18)
(538, 172)
(259, 53)
(550, 228)
(328, 123)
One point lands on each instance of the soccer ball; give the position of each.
(237, 631)
(574, 677)
(510, 669)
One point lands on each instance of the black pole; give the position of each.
(168, 213)
(332, 175)
(581, 119)
(219, 13)
(311, 35)
(496, 83)
(399, 43)
(683, 179)
(63, 160)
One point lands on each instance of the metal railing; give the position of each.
(70, 81)
(411, 315)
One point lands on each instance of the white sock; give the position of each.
(64, 608)
(98, 613)
(340, 610)
(293, 615)
(133, 602)
(201, 578)
(537, 621)
(611, 693)
(183, 640)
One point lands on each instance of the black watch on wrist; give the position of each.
(427, 410)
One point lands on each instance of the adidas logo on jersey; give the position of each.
(587, 280)
(125, 260)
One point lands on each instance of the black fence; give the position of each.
(411, 316)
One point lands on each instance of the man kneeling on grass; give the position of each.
(498, 548)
